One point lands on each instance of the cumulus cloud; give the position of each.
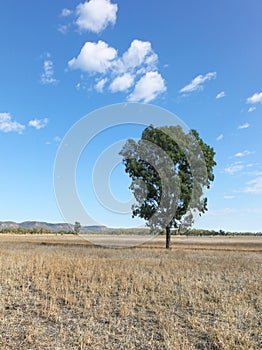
(251, 109)
(197, 82)
(220, 137)
(38, 123)
(100, 85)
(254, 186)
(148, 88)
(220, 95)
(139, 53)
(94, 57)
(9, 125)
(137, 68)
(244, 126)
(256, 98)
(122, 83)
(47, 76)
(96, 15)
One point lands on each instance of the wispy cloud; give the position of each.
(66, 12)
(57, 139)
(244, 126)
(251, 109)
(244, 153)
(225, 211)
(197, 82)
(234, 168)
(38, 123)
(220, 95)
(256, 98)
(9, 125)
(229, 197)
(96, 15)
(100, 85)
(63, 28)
(254, 186)
(220, 137)
(222, 212)
(47, 76)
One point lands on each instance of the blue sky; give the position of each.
(61, 60)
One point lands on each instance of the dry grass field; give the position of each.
(60, 292)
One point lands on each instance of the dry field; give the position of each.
(60, 292)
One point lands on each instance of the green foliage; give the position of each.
(170, 170)
(77, 228)
(25, 230)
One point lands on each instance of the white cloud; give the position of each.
(196, 83)
(56, 139)
(8, 125)
(251, 109)
(96, 15)
(100, 85)
(232, 169)
(66, 12)
(38, 123)
(137, 66)
(148, 88)
(254, 186)
(122, 83)
(220, 95)
(63, 28)
(220, 137)
(222, 212)
(244, 126)
(229, 197)
(47, 76)
(256, 98)
(94, 57)
(243, 154)
(139, 53)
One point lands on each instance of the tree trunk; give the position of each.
(168, 236)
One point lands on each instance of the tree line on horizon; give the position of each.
(189, 232)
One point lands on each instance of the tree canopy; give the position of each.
(170, 170)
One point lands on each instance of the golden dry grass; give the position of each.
(66, 294)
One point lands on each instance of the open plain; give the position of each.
(62, 292)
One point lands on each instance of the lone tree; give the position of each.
(77, 227)
(170, 170)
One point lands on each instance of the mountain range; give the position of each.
(48, 226)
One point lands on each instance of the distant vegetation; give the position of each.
(190, 232)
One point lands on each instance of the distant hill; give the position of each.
(48, 226)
